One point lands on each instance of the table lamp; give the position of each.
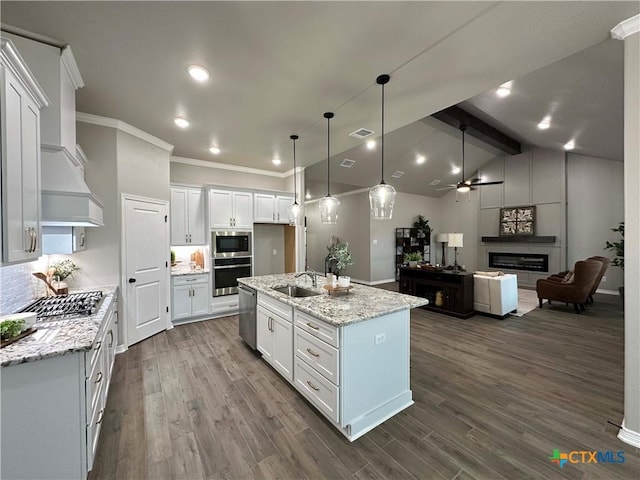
(443, 238)
(455, 241)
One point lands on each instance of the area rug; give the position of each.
(527, 301)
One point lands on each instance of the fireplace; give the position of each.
(534, 262)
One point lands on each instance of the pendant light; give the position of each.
(294, 209)
(382, 196)
(329, 205)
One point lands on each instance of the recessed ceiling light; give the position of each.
(198, 73)
(504, 90)
(181, 122)
(420, 159)
(214, 150)
(545, 123)
(570, 145)
(371, 144)
(455, 170)
(276, 161)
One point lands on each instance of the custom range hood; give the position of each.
(66, 198)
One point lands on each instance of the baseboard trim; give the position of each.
(608, 292)
(629, 436)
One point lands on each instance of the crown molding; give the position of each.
(338, 195)
(14, 61)
(626, 27)
(123, 127)
(71, 67)
(235, 168)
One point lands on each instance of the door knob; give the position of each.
(132, 280)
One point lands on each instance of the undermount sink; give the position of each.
(295, 291)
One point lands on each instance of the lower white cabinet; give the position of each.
(225, 305)
(274, 332)
(190, 296)
(52, 409)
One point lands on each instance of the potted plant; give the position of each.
(413, 258)
(422, 224)
(618, 249)
(339, 253)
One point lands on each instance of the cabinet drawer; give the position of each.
(229, 303)
(281, 309)
(317, 389)
(190, 279)
(96, 351)
(322, 330)
(320, 355)
(95, 383)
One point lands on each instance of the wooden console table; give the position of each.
(456, 288)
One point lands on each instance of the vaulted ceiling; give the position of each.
(276, 67)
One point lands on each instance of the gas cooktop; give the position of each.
(62, 307)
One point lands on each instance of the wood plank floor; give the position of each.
(493, 399)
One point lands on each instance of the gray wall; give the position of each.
(100, 262)
(406, 208)
(352, 227)
(266, 239)
(595, 204)
(195, 175)
(143, 168)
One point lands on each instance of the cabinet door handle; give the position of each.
(98, 345)
(111, 338)
(35, 239)
(99, 377)
(101, 415)
(273, 216)
(312, 385)
(278, 216)
(82, 239)
(311, 352)
(27, 231)
(311, 325)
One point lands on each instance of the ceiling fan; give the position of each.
(463, 185)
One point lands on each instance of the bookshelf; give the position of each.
(411, 240)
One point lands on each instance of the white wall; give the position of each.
(595, 204)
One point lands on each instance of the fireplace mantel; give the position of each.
(520, 239)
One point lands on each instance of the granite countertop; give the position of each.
(361, 303)
(179, 271)
(59, 337)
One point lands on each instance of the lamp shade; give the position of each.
(442, 237)
(455, 240)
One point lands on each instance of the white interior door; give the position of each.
(146, 243)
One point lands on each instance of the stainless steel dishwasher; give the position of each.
(248, 313)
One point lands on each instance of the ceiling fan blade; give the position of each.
(500, 182)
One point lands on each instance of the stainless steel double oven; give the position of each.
(232, 259)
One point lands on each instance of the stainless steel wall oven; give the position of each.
(226, 272)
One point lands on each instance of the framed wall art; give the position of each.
(517, 221)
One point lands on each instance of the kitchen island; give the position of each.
(347, 354)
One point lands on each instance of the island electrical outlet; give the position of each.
(380, 338)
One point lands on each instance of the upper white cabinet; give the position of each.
(63, 240)
(230, 209)
(21, 100)
(187, 216)
(270, 208)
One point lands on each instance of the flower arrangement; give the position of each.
(413, 257)
(64, 269)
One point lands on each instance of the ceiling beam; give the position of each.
(455, 117)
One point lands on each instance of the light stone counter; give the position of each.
(59, 337)
(179, 271)
(361, 303)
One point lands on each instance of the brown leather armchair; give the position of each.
(603, 268)
(576, 290)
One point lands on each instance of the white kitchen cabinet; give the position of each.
(230, 209)
(269, 208)
(64, 398)
(190, 296)
(187, 216)
(225, 305)
(21, 99)
(274, 331)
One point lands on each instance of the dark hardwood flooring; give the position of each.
(493, 399)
